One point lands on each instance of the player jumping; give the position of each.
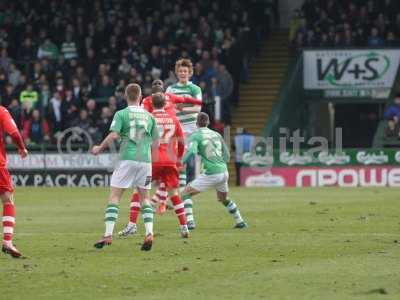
(164, 164)
(8, 126)
(137, 130)
(171, 103)
(214, 155)
(187, 115)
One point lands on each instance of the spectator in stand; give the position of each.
(392, 115)
(86, 124)
(105, 89)
(92, 113)
(8, 94)
(48, 50)
(35, 129)
(27, 51)
(243, 143)
(374, 40)
(104, 123)
(29, 98)
(69, 109)
(14, 75)
(5, 61)
(16, 112)
(45, 95)
(224, 89)
(68, 48)
(393, 111)
(392, 130)
(55, 115)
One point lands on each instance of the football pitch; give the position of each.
(326, 243)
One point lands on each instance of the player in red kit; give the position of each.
(8, 126)
(165, 161)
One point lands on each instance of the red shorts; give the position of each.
(168, 174)
(5, 181)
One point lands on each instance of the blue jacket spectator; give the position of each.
(393, 111)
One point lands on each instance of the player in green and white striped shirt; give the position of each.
(187, 115)
(137, 130)
(214, 156)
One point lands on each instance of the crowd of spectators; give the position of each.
(346, 23)
(66, 63)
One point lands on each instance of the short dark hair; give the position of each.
(158, 100)
(203, 120)
(133, 92)
(157, 86)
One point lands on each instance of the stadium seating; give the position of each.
(72, 52)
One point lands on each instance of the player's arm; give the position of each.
(181, 140)
(185, 100)
(192, 150)
(197, 108)
(225, 151)
(113, 136)
(11, 129)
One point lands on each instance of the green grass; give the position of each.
(301, 244)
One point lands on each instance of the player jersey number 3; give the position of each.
(167, 131)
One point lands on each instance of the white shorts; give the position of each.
(132, 174)
(216, 181)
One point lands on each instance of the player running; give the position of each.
(8, 126)
(187, 115)
(164, 164)
(138, 131)
(214, 155)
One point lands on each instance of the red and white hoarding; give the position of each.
(348, 176)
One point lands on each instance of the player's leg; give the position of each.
(187, 200)
(162, 196)
(8, 224)
(179, 211)
(222, 195)
(148, 218)
(131, 227)
(143, 184)
(111, 216)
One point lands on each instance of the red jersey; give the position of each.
(171, 148)
(7, 126)
(170, 101)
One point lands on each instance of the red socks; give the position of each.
(8, 221)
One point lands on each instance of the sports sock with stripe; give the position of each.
(188, 205)
(179, 209)
(8, 222)
(148, 215)
(233, 210)
(110, 218)
(135, 208)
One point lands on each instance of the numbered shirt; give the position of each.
(188, 120)
(137, 129)
(171, 147)
(210, 145)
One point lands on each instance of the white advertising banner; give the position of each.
(350, 69)
(57, 161)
